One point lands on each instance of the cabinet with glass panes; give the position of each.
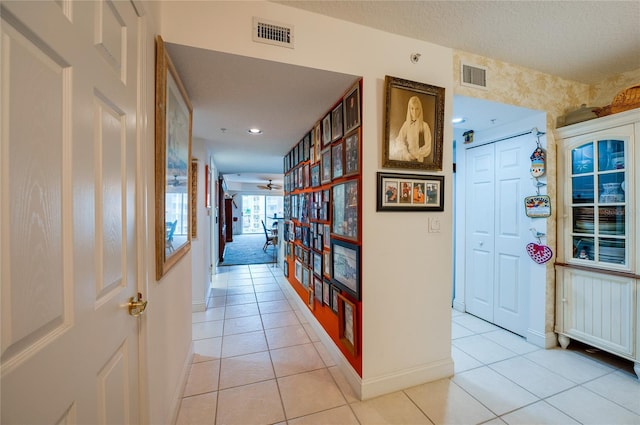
(597, 264)
(598, 205)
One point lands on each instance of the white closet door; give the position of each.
(511, 274)
(480, 236)
(496, 275)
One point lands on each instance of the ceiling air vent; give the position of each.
(275, 33)
(474, 76)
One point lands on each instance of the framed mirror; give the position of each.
(173, 162)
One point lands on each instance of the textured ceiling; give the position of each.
(578, 40)
(584, 41)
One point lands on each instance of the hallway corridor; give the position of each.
(257, 361)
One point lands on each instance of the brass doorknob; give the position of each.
(136, 305)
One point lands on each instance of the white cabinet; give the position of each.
(597, 268)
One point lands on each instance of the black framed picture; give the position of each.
(345, 267)
(351, 106)
(352, 154)
(325, 172)
(317, 263)
(409, 192)
(337, 160)
(345, 209)
(317, 140)
(414, 121)
(315, 175)
(326, 293)
(326, 130)
(336, 123)
(317, 288)
(306, 146)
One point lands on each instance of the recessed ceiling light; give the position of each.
(254, 131)
(458, 120)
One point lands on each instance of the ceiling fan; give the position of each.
(269, 186)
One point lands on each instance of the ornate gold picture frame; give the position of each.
(173, 161)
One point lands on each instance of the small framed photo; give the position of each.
(285, 269)
(325, 172)
(306, 176)
(326, 131)
(337, 159)
(352, 154)
(317, 140)
(345, 209)
(345, 267)
(306, 145)
(326, 292)
(336, 123)
(317, 263)
(306, 276)
(334, 298)
(317, 288)
(326, 264)
(315, 175)
(327, 235)
(351, 107)
(347, 324)
(310, 300)
(298, 271)
(410, 192)
(414, 122)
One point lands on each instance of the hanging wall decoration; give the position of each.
(538, 157)
(537, 206)
(537, 251)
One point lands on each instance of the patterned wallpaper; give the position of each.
(602, 94)
(516, 85)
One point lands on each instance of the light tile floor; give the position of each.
(257, 361)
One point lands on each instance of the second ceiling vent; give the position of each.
(473, 76)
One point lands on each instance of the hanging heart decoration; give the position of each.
(539, 253)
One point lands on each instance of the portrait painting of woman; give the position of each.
(413, 125)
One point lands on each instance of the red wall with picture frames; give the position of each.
(322, 230)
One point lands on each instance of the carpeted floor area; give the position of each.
(247, 249)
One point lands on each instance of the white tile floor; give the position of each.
(257, 361)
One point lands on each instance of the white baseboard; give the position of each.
(198, 306)
(544, 340)
(400, 380)
(177, 396)
(459, 306)
(372, 387)
(352, 377)
(201, 305)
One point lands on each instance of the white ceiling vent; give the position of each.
(270, 32)
(473, 76)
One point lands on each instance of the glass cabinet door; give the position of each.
(598, 203)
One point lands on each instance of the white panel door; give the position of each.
(480, 231)
(496, 275)
(68, 251)
(511, 236)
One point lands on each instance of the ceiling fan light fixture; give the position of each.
(254, 131)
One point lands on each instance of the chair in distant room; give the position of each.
(271, 238)
(171, 228)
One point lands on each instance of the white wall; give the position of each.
(407, 271)
(201, 244)
(166, 325)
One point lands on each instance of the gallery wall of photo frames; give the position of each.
(322, 231)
